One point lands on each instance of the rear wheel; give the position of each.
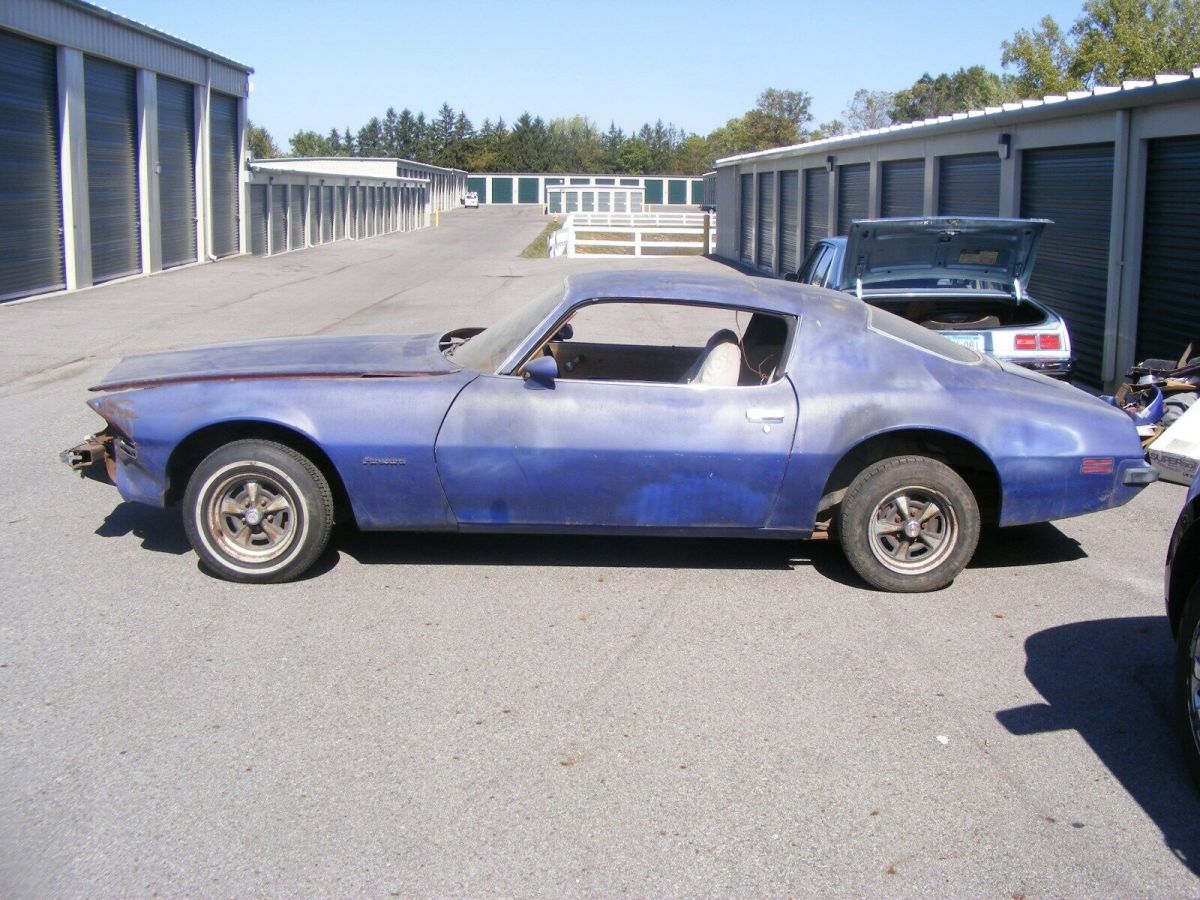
(257, 511)
(908, 524)
(1187, 682)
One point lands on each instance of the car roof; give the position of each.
(766, 294)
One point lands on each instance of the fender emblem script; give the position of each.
(384, 461)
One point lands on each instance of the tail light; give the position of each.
(1038, 342)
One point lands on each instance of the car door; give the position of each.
(615, 454)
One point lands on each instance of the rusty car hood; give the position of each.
(349, 356)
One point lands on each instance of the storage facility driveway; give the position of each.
(546, 716)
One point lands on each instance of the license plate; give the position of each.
(974, 341)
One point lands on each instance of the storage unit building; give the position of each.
(532, 189)
(299, 203)
(1117, 169)
(120, 149)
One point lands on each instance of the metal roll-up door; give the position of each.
(654, 190)
(260, 199)
(502, 190)
(697, 190)
(295, 216)
(478, 186)
(765, 231)
(789, 221)
(902, 192)
(339, 213)
(1169, 297)
(328, 214)
(527, 190)
(1072, 186)
(223, 181)
(677, 192)
(854, 187)
(279, 229)
(816, 207)
(177, 171)
(31, 238)
(969, 185)
(110, 100)
(746, 233)
(361, 218)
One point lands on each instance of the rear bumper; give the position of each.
(1060, 369)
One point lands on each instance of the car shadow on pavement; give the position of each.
(159, 530)
(1025, 545)
(1110, 681)
(389, 548)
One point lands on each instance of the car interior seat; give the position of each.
(719, 363)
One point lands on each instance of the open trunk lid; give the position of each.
(891, 251)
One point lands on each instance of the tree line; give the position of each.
(1110, 41)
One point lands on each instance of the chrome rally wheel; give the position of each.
(258, 511)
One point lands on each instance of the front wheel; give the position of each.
(257, 511)
(908, 524)
(1187, 682)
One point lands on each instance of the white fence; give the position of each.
(696, 226)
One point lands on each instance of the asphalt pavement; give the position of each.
(531, 716)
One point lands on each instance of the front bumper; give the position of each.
(93, 458)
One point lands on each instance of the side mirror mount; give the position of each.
(565, 333)
(540, 371)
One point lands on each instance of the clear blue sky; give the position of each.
(335, 64)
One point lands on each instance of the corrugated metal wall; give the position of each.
(112, 149)
(31, 240)
(789, 221)
(853, 200)
(295, 216)
(328, 214)
(177, 171)
(259, 203)
(279, 229)
(746, 238)
(224, 152)
(903, 188)
(816, 207)
(969, 185)
(1072, 186)
(1169, 295)
(765, 229)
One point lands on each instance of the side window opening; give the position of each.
(668, 343)
(820, 276)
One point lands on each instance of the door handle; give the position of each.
(760, 415)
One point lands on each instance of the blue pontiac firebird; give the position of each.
(621, 402)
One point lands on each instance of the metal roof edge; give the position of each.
(412, 162)
(116, 18)
(254, 166)
(1166, 87)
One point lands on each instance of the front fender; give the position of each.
(378, 434)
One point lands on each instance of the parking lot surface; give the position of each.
(446, 715)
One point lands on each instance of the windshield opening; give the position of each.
(486, 351)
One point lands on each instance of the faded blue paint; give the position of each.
(624, 456)
(614, 454)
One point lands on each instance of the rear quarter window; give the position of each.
(899, 329)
